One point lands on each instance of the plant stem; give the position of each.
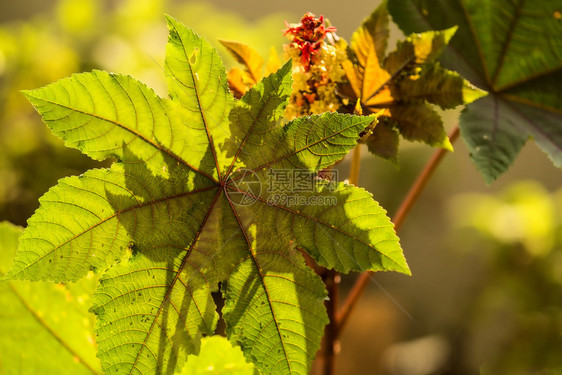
(331, 280)
(421, 182)
(411, 198)
(355, 165)
(331, 332)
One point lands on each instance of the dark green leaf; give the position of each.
(513, 50)
(439, 86)
(420, 123)
(384, 140)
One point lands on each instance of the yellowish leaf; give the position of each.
(429, 45)
(273, 61)
(352, 76)
(368, 44)
(375, 30)
(239, 82)
(247, 56)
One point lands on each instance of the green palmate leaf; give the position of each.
(512, 50)
(273, 304)
(44, 328)
(323, 229)
(197, 81)
(405, 82)
(188, 205)
(77, 110)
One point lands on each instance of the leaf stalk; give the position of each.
(342, 317)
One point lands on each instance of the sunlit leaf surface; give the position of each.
(188, 204)
(44, 328)
(218, 356)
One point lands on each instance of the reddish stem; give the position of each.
(330, 344)
(330, 341)
(411, 198)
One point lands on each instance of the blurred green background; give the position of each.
(485, 295)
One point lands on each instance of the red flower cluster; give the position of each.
(308, 35)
